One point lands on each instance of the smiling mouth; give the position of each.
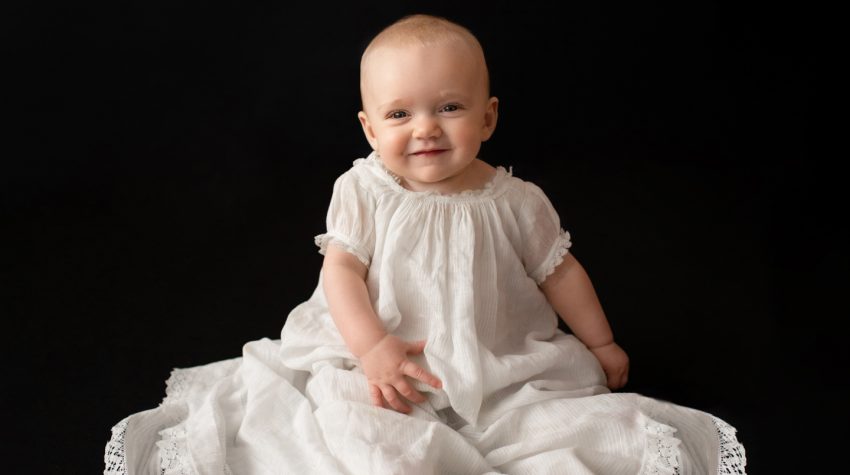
(428, 153)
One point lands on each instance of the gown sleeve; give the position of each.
(350, 220)
(544, 242)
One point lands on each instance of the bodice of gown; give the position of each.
(459, 271)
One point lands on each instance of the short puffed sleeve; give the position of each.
(544, 242)
(350, 221)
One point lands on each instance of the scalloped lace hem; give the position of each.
(662, 455)
(189, 382)
(114, 458)
(174, 451)
(561, 247)
(323, 240)
(733, 457)
(179, 382)
(174, 456)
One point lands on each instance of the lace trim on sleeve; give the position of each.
(323, 240)
(114, 458)
(733, 457)
(556, 257)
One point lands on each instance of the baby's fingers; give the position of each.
(617, 380)
(392, 397)
(415, 371)
(407, 391)
(376, 396)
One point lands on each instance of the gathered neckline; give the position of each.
(487, 190)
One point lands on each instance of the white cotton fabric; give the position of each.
(461, 272)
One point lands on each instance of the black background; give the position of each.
(169, 163)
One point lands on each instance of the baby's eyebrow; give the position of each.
(392, 104)
(457, 95)
(444, 96)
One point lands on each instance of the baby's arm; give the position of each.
(382, 355)
(571, 294)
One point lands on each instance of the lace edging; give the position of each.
(733, 457)
(178, 383)
(561, 247)
(174, 451)
(114, 458)
(662, 450)
(184, 383)
(174, 456)
(322, 240)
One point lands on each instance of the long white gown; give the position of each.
(461, 272)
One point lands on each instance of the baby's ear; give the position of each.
(367, 130)
(491, 116)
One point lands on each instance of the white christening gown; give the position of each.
(461, 272)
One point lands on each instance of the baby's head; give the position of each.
(426, 31)
(426, 101)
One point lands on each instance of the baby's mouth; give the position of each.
(429, 152)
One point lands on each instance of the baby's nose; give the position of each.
(427, 127)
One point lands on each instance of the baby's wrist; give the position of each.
(366, 344)
(602, 345)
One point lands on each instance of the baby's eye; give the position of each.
(451, 108)
(397, 115)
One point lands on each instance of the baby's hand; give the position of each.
(386, 366)
(615, 363)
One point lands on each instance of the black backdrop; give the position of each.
(171, 162)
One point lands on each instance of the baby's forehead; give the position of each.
(394, 51)
(455, 46)
(387, 54)
(386, 64)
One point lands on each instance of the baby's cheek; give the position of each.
(394, 143)
(471, 133)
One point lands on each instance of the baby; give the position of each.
(430, 345)
(426, 109)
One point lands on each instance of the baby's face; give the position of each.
(426, 112)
